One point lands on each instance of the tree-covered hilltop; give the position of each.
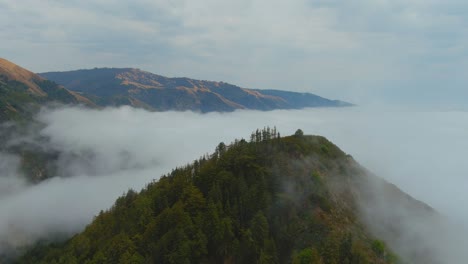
(270, 200)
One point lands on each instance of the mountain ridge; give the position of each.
(119, 86)
(24, 92)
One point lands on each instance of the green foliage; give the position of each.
(378, 247)
(56, 93)
(299, 133)
(307, 256)
(266, 201)
(17, 103)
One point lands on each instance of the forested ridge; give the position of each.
(266, 200)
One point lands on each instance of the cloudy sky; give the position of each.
(406, 52)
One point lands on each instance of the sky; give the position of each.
(369, 52)
(128, 148)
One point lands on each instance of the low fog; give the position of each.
(106, 152)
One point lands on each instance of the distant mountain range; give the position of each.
(127, 86)
(22, 92)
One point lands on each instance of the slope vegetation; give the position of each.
(22, 92)
(295, 199)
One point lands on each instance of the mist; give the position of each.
(103, 153)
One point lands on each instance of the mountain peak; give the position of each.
(14, 72)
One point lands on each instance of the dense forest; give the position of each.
(267, 200)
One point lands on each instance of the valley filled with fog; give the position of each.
(106, 152)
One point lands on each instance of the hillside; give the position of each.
(126, 86)
(22, 92)
(296, 199)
